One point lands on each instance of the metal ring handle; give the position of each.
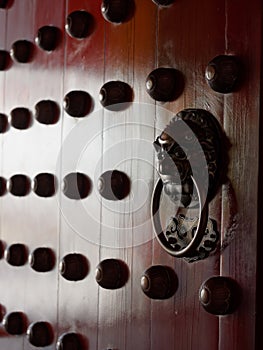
(190, 249)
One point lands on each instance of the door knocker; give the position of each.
(190, 161)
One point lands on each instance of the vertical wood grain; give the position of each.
(43, 147)
(125, 313)
(80, 149)
(15, 225)
(189, 36)
(241, 122)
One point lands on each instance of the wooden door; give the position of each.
(185, 35)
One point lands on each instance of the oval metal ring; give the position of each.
(190, 249)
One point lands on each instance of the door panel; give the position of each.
(185, 35)
(234, 259)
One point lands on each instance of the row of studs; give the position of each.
(77, 103)
(46, 112)
(162, 84)
(112, 185)
(75, 185)
(157, 282)
(79, 25)
(73, 267)
(40, 334)
(218, 295)
(110, 273)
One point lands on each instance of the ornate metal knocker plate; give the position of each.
(190, 163)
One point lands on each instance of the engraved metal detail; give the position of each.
(180, 231)
(192, 159)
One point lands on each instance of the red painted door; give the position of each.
(53, 124)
